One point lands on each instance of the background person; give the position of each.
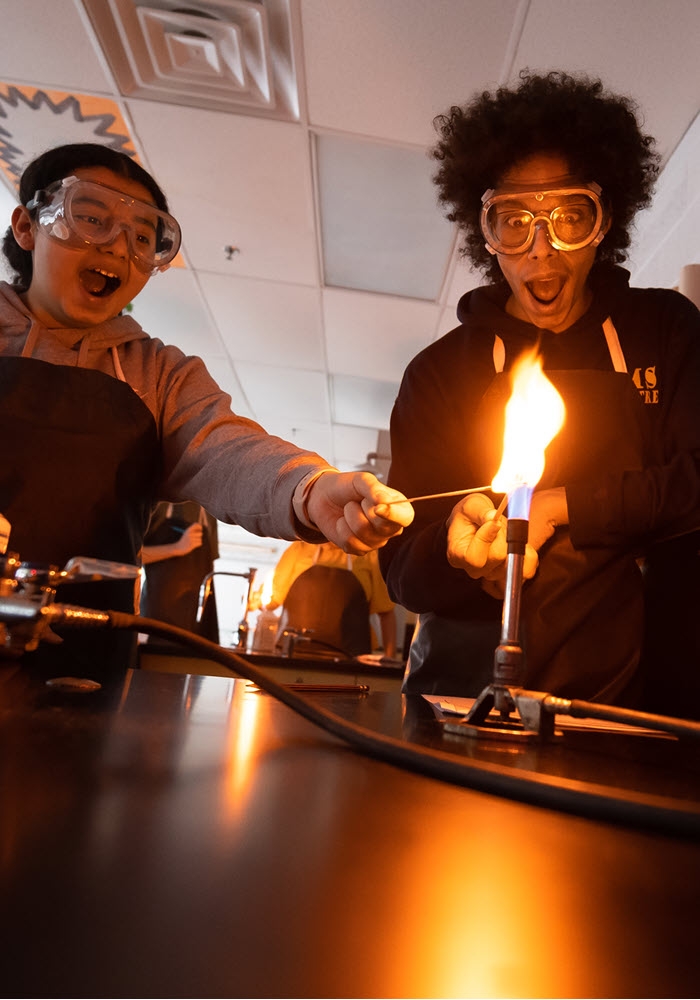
(332, 593)
(544, 180)
(179, 550)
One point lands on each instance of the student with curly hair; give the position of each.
(544, 180)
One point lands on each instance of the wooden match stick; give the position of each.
(436, 496)
(501, 507)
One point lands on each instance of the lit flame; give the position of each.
(265, 591)
(534, 415)
(261, 596)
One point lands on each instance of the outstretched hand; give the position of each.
(350, 509)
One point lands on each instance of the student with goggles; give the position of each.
(544, 180)
(80, 213)
(101, 421)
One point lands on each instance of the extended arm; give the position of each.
(241, 474)
(190, 539)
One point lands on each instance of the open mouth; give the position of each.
(98, 282)
(545, 290)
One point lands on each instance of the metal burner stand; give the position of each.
(504, 709)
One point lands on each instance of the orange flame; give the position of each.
(262, 595)
(535, 413)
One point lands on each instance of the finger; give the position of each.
(382, 503)
(468, 547)
(397, 513)
(349, 541)
(476, 507)
(540, 531)
(372, 530)
(480, 552)
(530, 562)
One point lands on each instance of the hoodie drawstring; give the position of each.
(33, 336)
(31, 340)
(117, 364)
(83, 351)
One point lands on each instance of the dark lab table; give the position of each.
(382, 675)
(189, 836)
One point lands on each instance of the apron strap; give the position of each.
(611, 338)
(613, 342)
(499, 353)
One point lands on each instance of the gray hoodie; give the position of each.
(227, 463)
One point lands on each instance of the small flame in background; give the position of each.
(535, 413)
(262, 595)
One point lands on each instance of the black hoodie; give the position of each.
(437, 445)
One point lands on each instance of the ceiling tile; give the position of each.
(221, 370)
(375, 335)
(460, 279)
(363, 402)
(380, 225)
(171, 307)
(279, 392)
(386, 69)
(51, 44)
(648, 50)
(304, 434)
(268, 322)
(350, 442)
(235, 181)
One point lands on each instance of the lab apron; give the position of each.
(172, 586)
(331, 602)
(671, 660)
(79, 462)
(581, 621)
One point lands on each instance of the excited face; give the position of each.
(78, 287)
(548, 286)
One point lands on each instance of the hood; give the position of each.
(484, 308)
(24, 335)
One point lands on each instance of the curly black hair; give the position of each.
(55, 164)
(596, 131)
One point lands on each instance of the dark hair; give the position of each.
(597, 132)
(54, 165)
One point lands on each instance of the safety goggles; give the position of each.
(509, 218)
(80, 213)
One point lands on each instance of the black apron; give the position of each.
(671, 660)
(331, 602)
(582, 615)
(80, 460)
(172, 586)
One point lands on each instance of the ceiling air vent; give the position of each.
(224, 55)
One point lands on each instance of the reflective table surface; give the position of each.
(171, 835)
